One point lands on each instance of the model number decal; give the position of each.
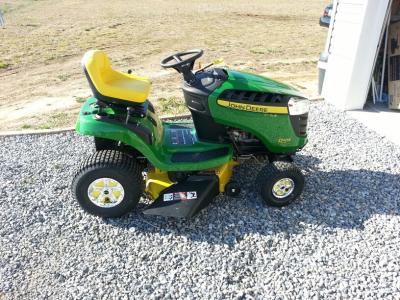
(180, 196)
(283, 141)
(254, 108)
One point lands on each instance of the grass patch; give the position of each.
(26, 126)
(5, 8)
(57, 120)
(4, 65)
(80, 99)
(44, 126)
(171, 106)
(63, 77)
(257, 50)
(51, 57)
(14, 5)
(261, 50)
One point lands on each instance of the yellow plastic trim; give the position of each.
(224, 174)
(112, 83)
(219, 61)
(156, 182)
(254, 108)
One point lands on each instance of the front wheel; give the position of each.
(280, 183)
(108, 184)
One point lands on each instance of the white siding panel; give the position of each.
(355, 35)
(347, 25)
(342, 39)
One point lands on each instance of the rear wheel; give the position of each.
(280, 183)
(108, 184)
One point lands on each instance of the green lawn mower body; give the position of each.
(278, 132)
(235, 115)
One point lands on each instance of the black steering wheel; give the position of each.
(183, 62)
(181, 58)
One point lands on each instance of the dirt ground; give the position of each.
(41, 80)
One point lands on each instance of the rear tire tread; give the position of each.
(105, 158)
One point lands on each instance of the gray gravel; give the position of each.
(340, 240)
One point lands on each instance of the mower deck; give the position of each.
(185, 199)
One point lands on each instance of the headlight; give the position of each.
(298, 106)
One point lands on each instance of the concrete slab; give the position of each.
(380, 119)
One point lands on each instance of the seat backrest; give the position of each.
(97, 68)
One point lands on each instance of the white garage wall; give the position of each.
(356, 29)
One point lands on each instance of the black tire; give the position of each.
(109, 164)
(271, 174)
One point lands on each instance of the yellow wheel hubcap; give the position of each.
(283, 188)
(106, 192)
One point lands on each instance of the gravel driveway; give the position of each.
(340, 240)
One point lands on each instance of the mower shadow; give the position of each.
(331, 199)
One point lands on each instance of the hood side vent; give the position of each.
(260, 98)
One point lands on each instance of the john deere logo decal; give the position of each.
(254, 108)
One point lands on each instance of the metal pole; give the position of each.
(373, 89)
(2, 23)
(384, 56)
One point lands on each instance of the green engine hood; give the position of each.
(260, 83)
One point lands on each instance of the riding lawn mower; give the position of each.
(181, 165)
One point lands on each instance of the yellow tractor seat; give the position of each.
(109, 85)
